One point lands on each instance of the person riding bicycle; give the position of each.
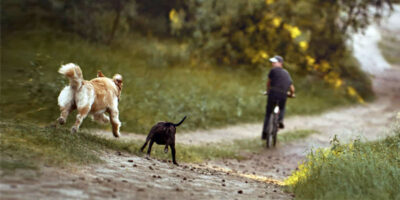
(278, 85)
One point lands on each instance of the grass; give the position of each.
(160, 82)
(390, 48)
(353, 171)
(28, 146)
(256, 144)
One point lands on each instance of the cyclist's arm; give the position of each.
(292, 90)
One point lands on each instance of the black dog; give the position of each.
(163, 133)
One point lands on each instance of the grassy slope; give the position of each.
(27, 146)
(160, 83)
(355, 171)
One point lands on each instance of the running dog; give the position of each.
(163, 133)
(94, 97)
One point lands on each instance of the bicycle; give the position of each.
(273, 124)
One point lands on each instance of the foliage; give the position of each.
(352, 171)
(153, 90)
(310, 35)
(96, 20)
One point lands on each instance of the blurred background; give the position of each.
(205, 59)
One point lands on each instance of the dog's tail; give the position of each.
(74, 73)
(180, 121)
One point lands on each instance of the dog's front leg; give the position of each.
(115, 122)
(173, 154)
(101, 118)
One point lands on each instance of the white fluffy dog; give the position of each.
(94, 97)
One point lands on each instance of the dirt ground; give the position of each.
(124, 176)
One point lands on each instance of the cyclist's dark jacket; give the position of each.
(280, 82)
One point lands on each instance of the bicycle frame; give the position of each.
(273, 124)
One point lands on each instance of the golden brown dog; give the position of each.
(94, 97)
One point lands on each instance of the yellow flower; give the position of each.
(276, 21)
(361, 100)
(310, 60)
(294, 30)
(269, 2)
(250, 29)
(303, 45)
(324, 66)
(338, 83)
(263, 54)
(259, 57)
(351, 91)
(173, 15)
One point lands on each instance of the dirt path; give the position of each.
(131, 177)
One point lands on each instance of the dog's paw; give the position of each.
(116, 134)
(166, 150)
(61, 121)
(74, 129)
(175, 163)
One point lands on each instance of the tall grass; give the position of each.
(354, 171)
(160, 82)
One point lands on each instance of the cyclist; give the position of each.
(278, 85)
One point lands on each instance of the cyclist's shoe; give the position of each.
(281, 125)
(263, 135)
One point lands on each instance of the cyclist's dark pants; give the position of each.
(272, 101)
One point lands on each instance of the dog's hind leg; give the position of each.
(145, 144)
(173, 153)
(64, 113)
(149, 149)
(166, 148)
(66, 103)
(82, 113)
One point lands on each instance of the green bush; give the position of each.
(354, 171)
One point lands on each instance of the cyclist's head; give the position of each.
(277, 61)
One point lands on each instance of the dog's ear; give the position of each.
(100, 74)
(117, 78)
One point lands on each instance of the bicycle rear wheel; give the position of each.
(274, 132)
(272, 129)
